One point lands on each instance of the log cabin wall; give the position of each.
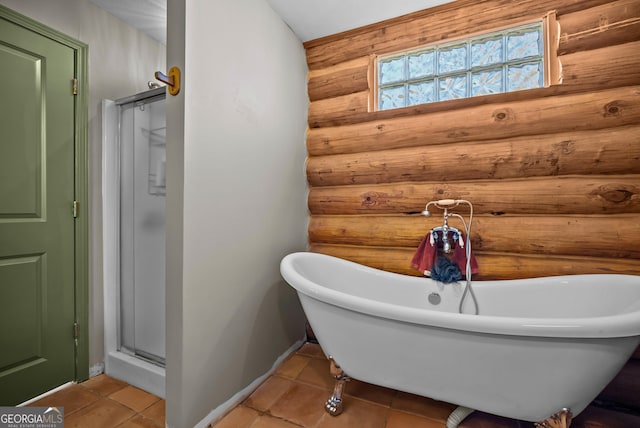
(553, 173)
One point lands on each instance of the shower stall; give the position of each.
(133, 180)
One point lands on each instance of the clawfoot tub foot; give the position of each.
(333, 406)
(562, 419)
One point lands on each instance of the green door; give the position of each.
(37, 224)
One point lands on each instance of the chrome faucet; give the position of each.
(443, 204)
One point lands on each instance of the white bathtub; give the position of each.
(536, 347)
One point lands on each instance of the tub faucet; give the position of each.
(442, 204)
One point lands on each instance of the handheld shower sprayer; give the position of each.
(443, 204)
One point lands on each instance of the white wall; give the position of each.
(121, 61)
(236, 199)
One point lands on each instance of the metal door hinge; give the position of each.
(74, 86)
(75, 209)
(76, 330)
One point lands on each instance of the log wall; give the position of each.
(553, 173)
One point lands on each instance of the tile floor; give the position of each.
(105, 402)
(292, 397)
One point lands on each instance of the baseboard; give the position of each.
(240, 396)
(96, 369)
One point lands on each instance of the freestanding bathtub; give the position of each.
(538, 348)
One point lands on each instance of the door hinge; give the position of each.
(76, 330)
(74, 86)
(75, 209)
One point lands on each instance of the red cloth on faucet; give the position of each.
(425, 256)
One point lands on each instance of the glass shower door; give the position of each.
(142, 228)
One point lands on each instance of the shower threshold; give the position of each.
(136, 371)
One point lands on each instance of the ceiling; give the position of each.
(312, 19)
(309, 19)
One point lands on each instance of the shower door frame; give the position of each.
(122, 365)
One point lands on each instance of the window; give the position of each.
(503, 61)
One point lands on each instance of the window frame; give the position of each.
(552, 68)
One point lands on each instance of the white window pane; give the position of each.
(423, 92)
(452, 59)
(523, 45)
(525, 76)
(391, 98)
(486, 82)
(453, 87)
(422, 65)
(486, 52)
(392, 71)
